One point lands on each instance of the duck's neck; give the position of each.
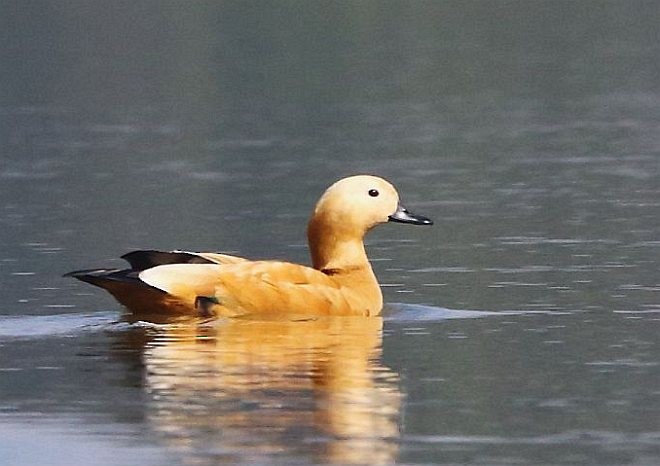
(340, 254)
(334, 249)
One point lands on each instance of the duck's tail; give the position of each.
(101, 277)
(127, 288)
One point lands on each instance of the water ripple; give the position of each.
(570, 437)
(58, 324)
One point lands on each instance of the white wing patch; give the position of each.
(183, 279)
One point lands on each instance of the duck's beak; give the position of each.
(402, 215)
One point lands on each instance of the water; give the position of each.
(520, 329)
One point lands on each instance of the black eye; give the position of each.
(373, 192)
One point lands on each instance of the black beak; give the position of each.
(403, 216)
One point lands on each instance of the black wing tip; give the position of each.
(148, 258)
(140, 259)
(138, 252)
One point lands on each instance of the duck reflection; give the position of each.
(243, 389)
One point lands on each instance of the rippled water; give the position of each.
(520, 329)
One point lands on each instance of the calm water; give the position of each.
(530, 131)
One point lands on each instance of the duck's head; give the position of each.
(356, 204)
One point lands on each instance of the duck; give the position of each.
(339, 282)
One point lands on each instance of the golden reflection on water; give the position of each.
(249, 389)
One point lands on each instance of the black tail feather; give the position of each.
(100, 276)
(139, 297)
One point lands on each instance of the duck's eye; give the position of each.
(373, 192)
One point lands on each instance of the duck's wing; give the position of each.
(146, 259)
(219, 258)
(263, 287)
(141, 298)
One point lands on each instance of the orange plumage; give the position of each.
(341, 281)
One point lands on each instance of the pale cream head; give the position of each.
(357, 203)
(346, 211)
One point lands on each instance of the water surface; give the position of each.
(520, 329)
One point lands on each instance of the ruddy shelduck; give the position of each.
(340, 281)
